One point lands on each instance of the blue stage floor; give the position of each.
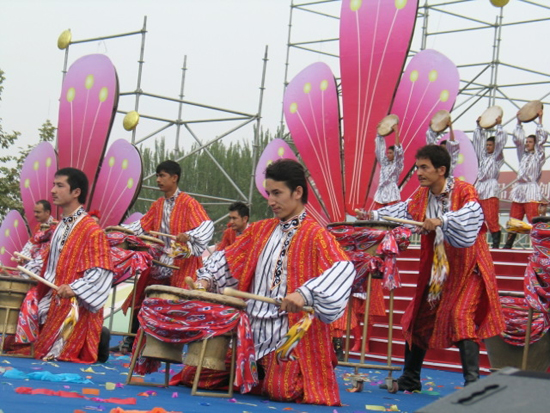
(103, 377)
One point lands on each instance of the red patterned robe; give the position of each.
(85, 248)
(469, 306)
(228, 238)
(312, 251)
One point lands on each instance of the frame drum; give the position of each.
(12, 294)
(530, 111)
(489, 117)
(385, 126)
(439, 120)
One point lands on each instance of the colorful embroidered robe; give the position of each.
(86, 247)
(312, 251)
(228, 238)
(463, 262)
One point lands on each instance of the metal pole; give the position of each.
(180, 108)
(140, 71)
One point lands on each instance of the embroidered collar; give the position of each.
(71, 218)
(449, 185)
(293, 222)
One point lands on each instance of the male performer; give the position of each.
(294, 259)
(178, 214)
(391, 166)
(460, 307)
(239, 214)
(78, 262)
(490, 159)
(42, 213)
(526, 195)
(451, 145)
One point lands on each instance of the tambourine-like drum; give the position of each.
(488, 118)
(12, 294)
(530, 111)
(440, 120)
(216, 348)
(385, 127)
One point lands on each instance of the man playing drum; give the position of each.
(454, 304)
(526, 195)
(391, 166)
(239, 214)
(77, 260)
(292, 258)
(490, 159)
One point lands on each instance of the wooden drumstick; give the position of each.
(161, 234)
(7, 268)
(23, 257)
(249, 296)
(403, 221)
(37, 277)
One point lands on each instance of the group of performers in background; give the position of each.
(293, 259)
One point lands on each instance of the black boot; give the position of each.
(496, 239)
(510, 241)
(338, 344)
(410, 379)
(103, 348)
(469, 356)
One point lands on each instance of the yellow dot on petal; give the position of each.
(355, 5)
(125, 164)
(70, 94)
(399, 4)
(460, 159)
(27, 183)
(264, 183)
(414, 76)
(89, 82)
(7, 232)
(293, 107)
(103, 94)
(111, 161)
(36, 165)
(48, 162)
(324, 85)
(433, 76)
(281, 151)
(130, 183)
(444, 95)
(16, 223)
(307, 87)
(2, 250)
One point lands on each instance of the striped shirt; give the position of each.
(199, 237)
(489, 164)
(453, 147)
(92, 290)
(526, 188)
(327, 293)
(388, 191)
(460, 228)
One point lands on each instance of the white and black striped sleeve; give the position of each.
(93, 288)
(399, 210)
(329, 292)
(134, 226)
(216, 272)
(461, 227)
(200, 237)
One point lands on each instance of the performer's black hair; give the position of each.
(491, 139)
(241, 208)
(438, 156)
(76, 179)
(290, 172)
(170, 167)
(46, 204)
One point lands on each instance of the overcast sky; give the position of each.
(224, 41)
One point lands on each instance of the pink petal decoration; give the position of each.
(279, 149)
(311, 113)
(118, 182)
(133, 218)
(87, 107)
(36, 179)
(375, 36)
(13, 237)
(430, 83)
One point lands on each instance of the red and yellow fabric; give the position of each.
(470, 289)
(490, 207)
(312, 251)
(376, 205)
(228, 238)
(85, 248)
(518, 210)
(186, 215)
